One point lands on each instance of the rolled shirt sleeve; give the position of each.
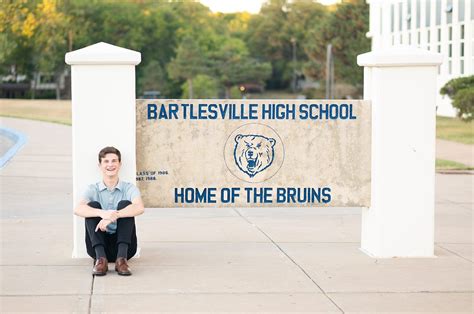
(90, 194)
(133, 192)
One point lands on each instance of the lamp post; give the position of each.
(329, 73)
(293, 43)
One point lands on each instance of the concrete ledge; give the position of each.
(449, 171)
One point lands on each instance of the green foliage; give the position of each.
(50, 40)
(464, 102)
(233, 65)
(303, 15)
(153, 78)
(267, 40)
(235, 93)
(180, 40)
(461, 91)
(204, 86)
(190, 60)
(455, 85)
(17, 26)
(236, 24)
(345, 29)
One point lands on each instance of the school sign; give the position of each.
(248, 153)
(377, 156)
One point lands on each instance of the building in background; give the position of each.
(444, 26)
(41, 85)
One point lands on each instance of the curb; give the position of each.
(19, 139)
(448, 171)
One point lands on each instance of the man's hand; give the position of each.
(111, 215)
(102, 225)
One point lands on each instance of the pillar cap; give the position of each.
(103, 53)
(400, 56)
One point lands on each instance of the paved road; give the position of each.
(219, 260)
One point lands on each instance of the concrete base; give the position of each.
(375, 256)
(219, 260)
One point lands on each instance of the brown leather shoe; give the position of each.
(101, 267)
(121, 267)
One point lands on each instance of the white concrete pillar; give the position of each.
(103, 114)
(401, 83)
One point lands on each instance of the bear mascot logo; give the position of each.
(253, 153)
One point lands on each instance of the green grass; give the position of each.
(453, 129)
(38, 118)
(442, 164)
(41, 110)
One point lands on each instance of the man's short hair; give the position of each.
(109, 150)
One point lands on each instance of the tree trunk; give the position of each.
(190, 87)
(33, 87)
(57, 75)
(227, 92)
(70, 36)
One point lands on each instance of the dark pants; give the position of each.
(125, 233)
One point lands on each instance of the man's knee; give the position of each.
(123, 204)
(92, 221)
(94, 204)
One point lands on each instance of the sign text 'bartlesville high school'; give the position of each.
(252, 153)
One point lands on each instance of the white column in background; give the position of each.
(401, 83)
(103, 114)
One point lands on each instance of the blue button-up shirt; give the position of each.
(109, 198)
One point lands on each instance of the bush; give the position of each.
(204, 87)
(461, 91)
(235, 93)
(464, 102)
(457, 84)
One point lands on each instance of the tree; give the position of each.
(346, 30)
(34, 37)
(267, 40)
(204, 86)
(302, 16)
(464, 102)
(233, 65)
(235, 24)
(153, 77)
(159, 27)
(50, 40)
(182, 37)
(281, 30)
(190, 61)
(17, 27)
(461, 91)
(452, 87)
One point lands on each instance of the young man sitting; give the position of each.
(109, 208)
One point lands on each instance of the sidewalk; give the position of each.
(453, 151)
(218, 260)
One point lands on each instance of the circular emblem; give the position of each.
(254, 152)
